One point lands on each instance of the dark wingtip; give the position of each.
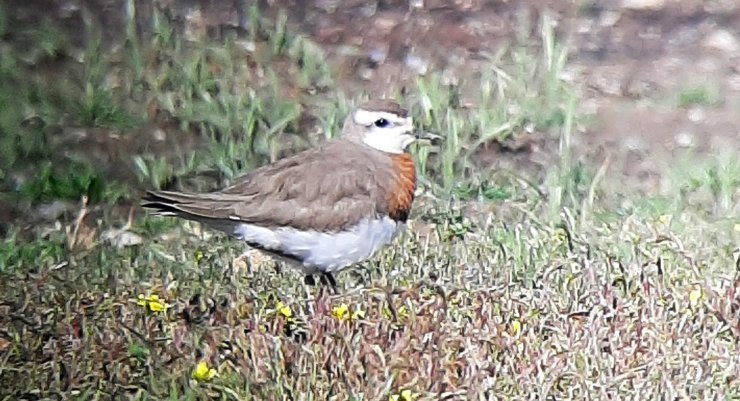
(148, 195)
(158, 203)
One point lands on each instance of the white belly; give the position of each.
(325, 252)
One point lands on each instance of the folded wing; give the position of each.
(329, 188)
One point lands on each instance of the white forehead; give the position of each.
(368, 117)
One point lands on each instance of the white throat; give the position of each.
(389, 142)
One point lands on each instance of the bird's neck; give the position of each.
(402, 194)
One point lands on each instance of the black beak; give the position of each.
(428, 137)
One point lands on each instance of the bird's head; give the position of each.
(381, 124)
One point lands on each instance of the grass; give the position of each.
(506, 286)
(699, 95)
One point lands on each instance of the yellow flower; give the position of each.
(695, 296)
(198, 256)
(152, 303)
(516, 326)
(560, 235)
(402, 313)
(341, 313)
(737, 227)
(428, 293)
(284, 310)
(406, 395)
(203, 373)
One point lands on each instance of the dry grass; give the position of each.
(513, 309)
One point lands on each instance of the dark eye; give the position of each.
(381, 123)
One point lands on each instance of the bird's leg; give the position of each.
(328, 279)
(325, 280)
(309, 283)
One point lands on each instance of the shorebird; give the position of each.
(323, 209)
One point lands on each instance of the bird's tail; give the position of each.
(181, 204)
(164, 203)
(203, 208)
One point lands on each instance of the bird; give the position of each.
(325, 208)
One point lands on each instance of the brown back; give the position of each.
(327, 188)
(384, 105)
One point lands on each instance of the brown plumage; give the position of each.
(324, 208)
(323, 189)
(385, 105)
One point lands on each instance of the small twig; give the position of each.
(72, 239)
(136, 333)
